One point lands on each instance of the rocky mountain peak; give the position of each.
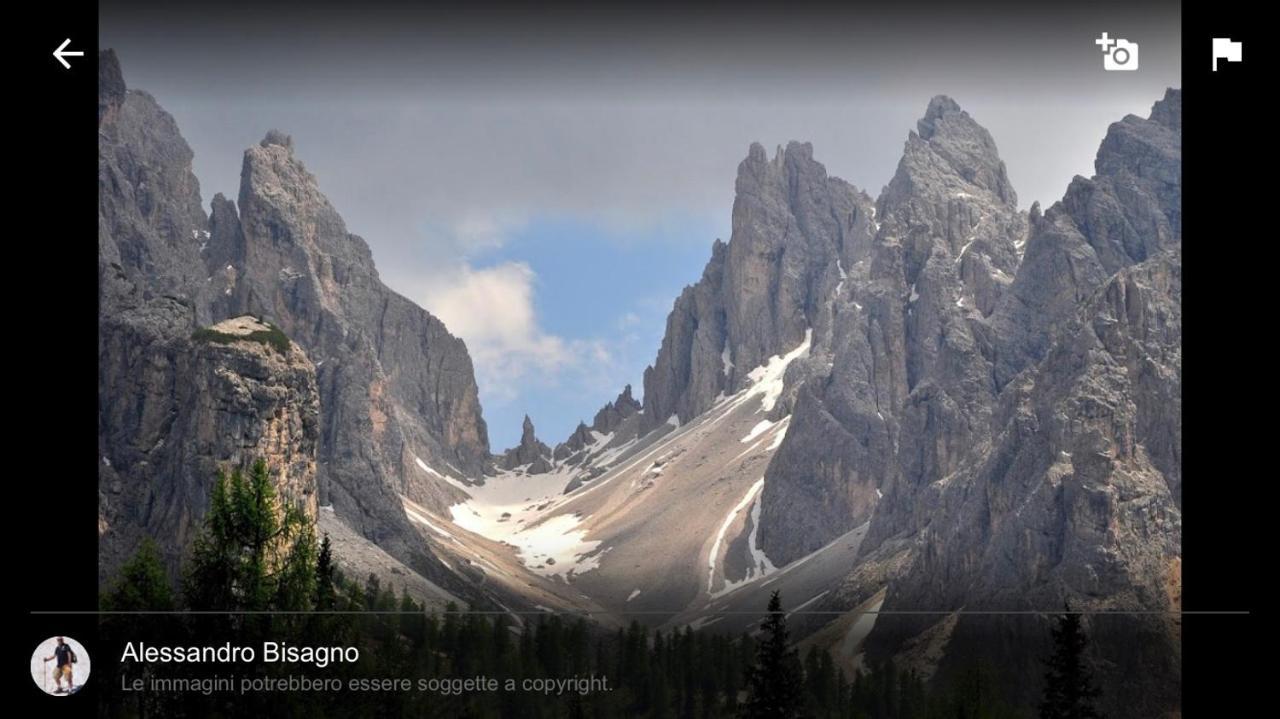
(397, 390)
(278, 196)
(940, 106)
(796, 158)
(609, 420)
(180, 291)
(796, 230)
(951, 191)
(1145, 148)
(613, 413)
(277, 137)
(795, 152)
(150, 220)
(1127, 213)
(950, 152)
(568, 449)
(531, 454)
(908, 348)
(1168, 110)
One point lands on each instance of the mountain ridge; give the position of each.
(927, 401)
(167, 269)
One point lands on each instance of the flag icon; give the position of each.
(1226, 49)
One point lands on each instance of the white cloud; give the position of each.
(492, 309)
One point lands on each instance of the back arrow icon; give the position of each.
(62, 53)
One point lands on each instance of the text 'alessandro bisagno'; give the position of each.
(272, 652)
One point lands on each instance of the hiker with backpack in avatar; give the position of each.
(65, 657)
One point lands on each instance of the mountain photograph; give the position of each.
(920, 446)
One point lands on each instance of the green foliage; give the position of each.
(254, 552)
(273, 337)
(142, 583)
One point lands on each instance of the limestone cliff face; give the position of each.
(175, 411)
(796, 232)
(1074, 502)
(906, 388)
(1128, 212)
(1068, 491)
(889, 295)
(689, 371)
(395, 389)
(151, 226)
(994, 393)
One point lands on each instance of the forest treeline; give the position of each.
(257, 572)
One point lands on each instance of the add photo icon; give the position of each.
(60, 666)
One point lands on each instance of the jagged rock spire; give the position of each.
(531, 454)
(613, 413)
(794, 228)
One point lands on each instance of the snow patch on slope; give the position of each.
(766, 380)
(763, 426)
(422, 519)
(431, 471)
(555, 547)
(724, 527)
(760, 565)
(521, 510)
(758, 559)
(510, 508)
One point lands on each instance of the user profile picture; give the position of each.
(60, 666)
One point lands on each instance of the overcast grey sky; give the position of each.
(456, 145)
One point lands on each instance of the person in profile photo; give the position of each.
(60, 666)
(65, 657)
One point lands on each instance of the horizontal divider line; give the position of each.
(1036, 612)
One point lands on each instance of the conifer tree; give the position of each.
(774, 683)
(142, 584)
(326, 593)
(254, 552)
(1069, 691)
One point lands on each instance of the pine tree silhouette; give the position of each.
(1069, 691)
(325, 591)
(775, 688)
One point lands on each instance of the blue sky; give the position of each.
(605, 291)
